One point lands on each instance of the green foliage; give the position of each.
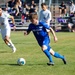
(36, 60)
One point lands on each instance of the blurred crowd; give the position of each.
(69, 15)
(20, 9)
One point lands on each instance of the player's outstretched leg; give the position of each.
(10, 44)
(57, 55)
(47, 53)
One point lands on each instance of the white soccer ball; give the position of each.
(21, 61)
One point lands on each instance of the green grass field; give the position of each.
(36, 61)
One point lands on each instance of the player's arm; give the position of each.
(54, 35)
(13, 21)
(52, 31)
(28, 30)
(10, 17)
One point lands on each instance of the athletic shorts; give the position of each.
(72, 25)
(5, 32)
(46, 42)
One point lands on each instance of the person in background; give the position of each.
(33, 4)
(25, 13)
(45, 15)
(71, 23)
(72, 7)
(62, 9)
(10, 3)
(32, 10)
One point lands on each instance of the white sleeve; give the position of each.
(72, 8)
(49, 16)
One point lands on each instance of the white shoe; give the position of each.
(13, 49)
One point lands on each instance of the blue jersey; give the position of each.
(40, 32)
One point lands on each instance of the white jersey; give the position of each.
(4, 23)
(45, 16)
(72, 8)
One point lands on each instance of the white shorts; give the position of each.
(5, 32)
(71, 24)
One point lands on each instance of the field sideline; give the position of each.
(36, 60)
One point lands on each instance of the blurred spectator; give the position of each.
(32, 10)
(62, 9)
(72, 7)
(71, 23)
(25, 13)
(10, 3)
(19, 3)
(33, 4)
(23, 1)
(45, 14)
(15, 10)
(25, 8)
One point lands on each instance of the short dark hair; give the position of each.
(43, 4)
(33, 16)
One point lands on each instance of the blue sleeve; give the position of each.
(29, 29)
(45, 25)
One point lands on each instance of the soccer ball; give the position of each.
(21, 61)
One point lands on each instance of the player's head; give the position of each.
(43, 5)
(33, 18)
(71, 3)
(32, 1)
(0, 10)
(62, 3)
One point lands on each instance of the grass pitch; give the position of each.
(36, 60)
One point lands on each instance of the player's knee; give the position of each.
(44, 47)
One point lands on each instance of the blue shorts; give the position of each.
(45, 41)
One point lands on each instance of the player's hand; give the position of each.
(25, 32)
(55, 39)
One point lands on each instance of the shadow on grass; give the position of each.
(3, 51)
(23, 65)
(9, 64)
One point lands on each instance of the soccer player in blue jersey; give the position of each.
(41, 35)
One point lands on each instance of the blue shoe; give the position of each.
(64, 60)
(50, 64)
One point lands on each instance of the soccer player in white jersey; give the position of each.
(45, 15)
(5, 29)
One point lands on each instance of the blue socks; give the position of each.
(57, 55)
(48, 54)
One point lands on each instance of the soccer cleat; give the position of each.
(13, 49)
(64, 60)
(50, 64)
